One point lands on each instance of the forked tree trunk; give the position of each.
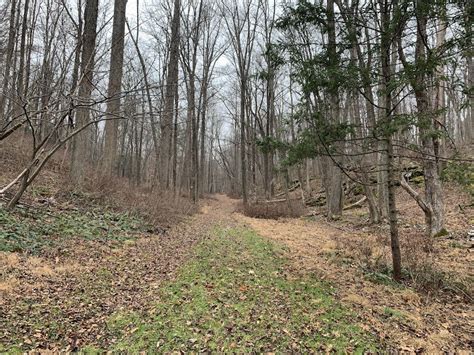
(433, 190)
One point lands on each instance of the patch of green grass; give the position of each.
(34, 231)
(390, 312)
(40, 191)
(381, 279)
(456, 245)
(383, 276)
(236, 296)
(89, 350)
(442, 233)
(10, 351)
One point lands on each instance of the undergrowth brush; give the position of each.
(421, 270)
(274, 209)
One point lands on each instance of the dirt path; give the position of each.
(403, 318)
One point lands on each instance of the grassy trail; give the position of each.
(235, 295)
(99, 283)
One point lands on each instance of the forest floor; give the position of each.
(73, 279)
(401, 317)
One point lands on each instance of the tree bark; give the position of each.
(171, 82)
(8, 63)
(81, 144)
(386, 45)
(433, 190)
(334, 192)
(114, 87)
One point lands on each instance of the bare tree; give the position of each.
(211, 52)
(189, 49)
(168, 110)
(8, 63)
(241, 29)
(81, 144)
(115, 86)
(434, 215)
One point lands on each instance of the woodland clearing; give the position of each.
(249, 176)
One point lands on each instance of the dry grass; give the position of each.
(420, 260)
(159, 208)
(355, 257)
(8, 260)
(8, 285)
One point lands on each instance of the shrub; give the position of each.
(461, 173)
(275, 209)
(157, 207)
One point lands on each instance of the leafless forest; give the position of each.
(341, 130)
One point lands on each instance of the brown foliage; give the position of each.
(274, 210)
(421, 269)
(159, 208)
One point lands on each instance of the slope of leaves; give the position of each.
(60, 298)
(35, 230)
(236, 296)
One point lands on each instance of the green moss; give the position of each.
(236, 296)
(443, 232)
(418, 180)
(390, 312)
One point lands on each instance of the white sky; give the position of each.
(132, 8)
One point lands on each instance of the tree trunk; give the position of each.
(175, 144)
(21, 69)
(202, 155)
(469, 82)
(114, 88)
(171, 82)
(334, 192)
(385, 48)
(243, 140)
(8, 63)
(439, 98)
(393, 215)
(81, 144)
(433, 190)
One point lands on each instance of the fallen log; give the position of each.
(291, 189)
(271, 201)
(356, 204)
(415, 195)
